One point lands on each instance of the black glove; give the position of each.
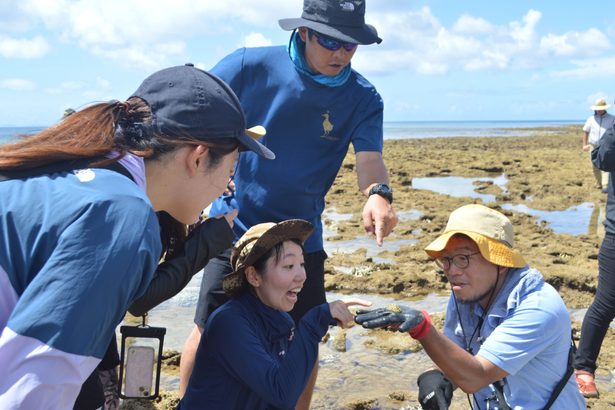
(407, 318)
(435, 390)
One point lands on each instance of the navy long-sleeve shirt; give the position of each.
(252, 357)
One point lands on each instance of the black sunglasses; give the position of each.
(330, 43)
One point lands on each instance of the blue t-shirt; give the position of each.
(77, 249)
(309, 127)
(527, 334)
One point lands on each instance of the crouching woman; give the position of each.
(251, 355)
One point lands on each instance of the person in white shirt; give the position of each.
(593, 130)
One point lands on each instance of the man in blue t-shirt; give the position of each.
(314, 106)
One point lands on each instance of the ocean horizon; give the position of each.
(411, 129)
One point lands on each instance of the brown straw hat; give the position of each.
(489, 229)
(256, 242)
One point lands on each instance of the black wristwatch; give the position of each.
(383, 190)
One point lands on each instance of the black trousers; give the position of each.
(601, 312)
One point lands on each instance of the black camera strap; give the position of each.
(569, 370)
(560, 385)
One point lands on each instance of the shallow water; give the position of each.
(370, 245)
(582, 219)
(460, 187)
(576, 220)
(343, 376)
(331, 218)
(409, 215)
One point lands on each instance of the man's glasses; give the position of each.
(461, 261)
(331, 43)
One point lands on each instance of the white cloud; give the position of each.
(256, 40)
(589, 69)
(417, 41)
(591, 43)
(147, 59)
(524, 33)
(139, 31)
(17, 84)
(467, 24)
(150, 35)
(23, 47)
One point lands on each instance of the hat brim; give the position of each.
(492, 250)
(249, 142)
(600, 107)
(280, 232)
(360, 35)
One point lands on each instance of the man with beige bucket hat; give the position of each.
(507, 333)
(593, 130)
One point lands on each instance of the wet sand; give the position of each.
(546, 172)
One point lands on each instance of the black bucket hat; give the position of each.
(187, 100)
(343, 20)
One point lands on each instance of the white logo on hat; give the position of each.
(347, 6)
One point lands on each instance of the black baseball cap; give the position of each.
(339, 19)
(187, 100)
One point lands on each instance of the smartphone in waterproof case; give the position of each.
(139, 371)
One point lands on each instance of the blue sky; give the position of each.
(440, 60)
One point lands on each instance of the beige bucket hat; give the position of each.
(489, 229)
(256, 242)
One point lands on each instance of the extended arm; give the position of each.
(206, 241)
(379, 218)
(585, 141)
(468, 372)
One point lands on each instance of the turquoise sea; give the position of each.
(6, 133)
(414, 129)
(433, 129)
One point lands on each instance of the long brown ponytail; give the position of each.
(92, 132)
(97, 131)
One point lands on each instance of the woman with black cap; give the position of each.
(78, 205)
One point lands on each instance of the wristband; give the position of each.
(422, 330)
